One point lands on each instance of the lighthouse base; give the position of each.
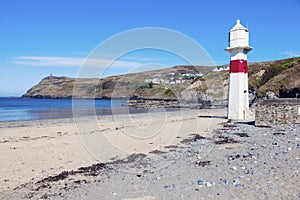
(238, 103)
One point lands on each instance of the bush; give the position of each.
(108, 85)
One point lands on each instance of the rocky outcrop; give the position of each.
(52, 87)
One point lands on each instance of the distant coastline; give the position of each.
(189, 84)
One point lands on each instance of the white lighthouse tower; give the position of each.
(238, 103)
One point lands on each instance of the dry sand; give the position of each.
(161, 155)
(33, 150)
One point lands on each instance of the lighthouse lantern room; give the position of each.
(238, 103)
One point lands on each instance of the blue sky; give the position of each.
(54, 36)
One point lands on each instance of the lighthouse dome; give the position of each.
(238, 26)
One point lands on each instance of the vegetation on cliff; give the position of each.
(187, 83)
(281, 77)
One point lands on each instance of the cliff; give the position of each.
(164, 84)
(187, 83)
(282, 77)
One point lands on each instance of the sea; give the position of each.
(16, 109)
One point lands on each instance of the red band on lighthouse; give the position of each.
(238, 66)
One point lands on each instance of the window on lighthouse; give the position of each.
(229, 37)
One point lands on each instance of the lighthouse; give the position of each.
(238, 103)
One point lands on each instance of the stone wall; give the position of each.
(278, 111)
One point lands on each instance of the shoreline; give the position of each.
(100, 112)
(81, 109)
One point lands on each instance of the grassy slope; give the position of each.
(281, 77)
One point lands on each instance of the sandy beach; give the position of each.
(187, 154)
(33, 150)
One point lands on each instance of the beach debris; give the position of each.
(93, 170)
(172, 147)
(236, 182)
(173, 186)
(234, 157)
(131, 158)
(225, 181)
(203, 163)
(118, 127)
(80, 181)
(253, 147)
(241, 134)
(61, 176)
(202, 183)
(193, 138)
(246, 155)
(225, 140)
(157, 152)
(234, 168)
(279, 133)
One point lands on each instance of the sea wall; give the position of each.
(278, 112)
